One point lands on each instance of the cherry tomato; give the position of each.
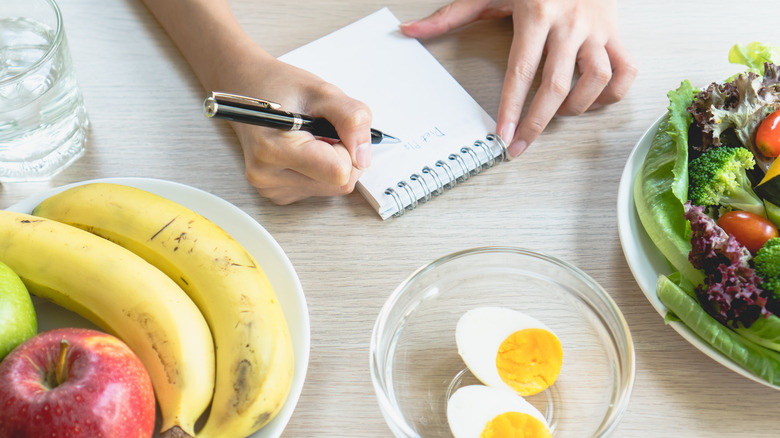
(768, 135)
(748, 228)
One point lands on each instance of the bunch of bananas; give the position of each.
(181, 292)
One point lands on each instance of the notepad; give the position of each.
(446, 136)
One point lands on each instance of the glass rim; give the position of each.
(53, 47)
(625, 379)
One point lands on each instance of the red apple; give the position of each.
(75, 382)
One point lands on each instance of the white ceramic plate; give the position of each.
(647, 262)
(255, 239)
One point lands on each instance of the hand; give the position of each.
(284, 166)
(556, 36)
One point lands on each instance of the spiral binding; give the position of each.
(439, 186)
(465, 168)
(424, 185)
(466, 153)
(450, 174)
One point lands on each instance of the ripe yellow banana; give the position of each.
(254, 350)
(126, 296)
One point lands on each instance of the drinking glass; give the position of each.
(43, 121)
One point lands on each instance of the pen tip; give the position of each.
(389, 139)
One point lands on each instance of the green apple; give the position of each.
(17, 314)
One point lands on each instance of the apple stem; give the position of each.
(62, 364)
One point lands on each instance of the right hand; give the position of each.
(284, 166)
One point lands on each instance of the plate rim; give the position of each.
(242, 219)
(635, 254)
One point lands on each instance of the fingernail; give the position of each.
(517, 148)
(408, 23)
(508, 132)
(363, 156)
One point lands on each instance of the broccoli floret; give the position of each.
(767, 266)
(718, 177)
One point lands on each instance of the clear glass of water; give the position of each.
(43, 121)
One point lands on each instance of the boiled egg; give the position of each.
(479, 411)
(505, 348)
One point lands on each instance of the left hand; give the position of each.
(571, 33)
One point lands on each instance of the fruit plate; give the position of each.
(646, 261)
(255, 239)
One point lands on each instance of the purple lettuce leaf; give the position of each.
(736, 107)
(731, 291)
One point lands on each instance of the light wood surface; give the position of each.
(558, 198)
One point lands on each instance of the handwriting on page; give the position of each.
(420, 141)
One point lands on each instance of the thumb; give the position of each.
(352, 121)
(448, 17)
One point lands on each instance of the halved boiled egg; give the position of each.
(479, 411)
(505, 348)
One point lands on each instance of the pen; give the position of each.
(269, 114)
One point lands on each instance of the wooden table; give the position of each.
(559, 197)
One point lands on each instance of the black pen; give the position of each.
(264, 113)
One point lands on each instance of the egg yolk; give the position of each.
(515, 425)
(530, 360)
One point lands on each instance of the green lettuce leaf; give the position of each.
(661, 186)
(765, 332)
(754, 55)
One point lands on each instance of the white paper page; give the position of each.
(411, 96)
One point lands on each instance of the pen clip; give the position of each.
(228, 98)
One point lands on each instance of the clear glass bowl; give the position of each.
(415, 365)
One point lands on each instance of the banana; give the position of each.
(123, 295)
(254, 351)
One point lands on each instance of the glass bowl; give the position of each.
(415, 365)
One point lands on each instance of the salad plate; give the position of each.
(646, 261)
(252, 236)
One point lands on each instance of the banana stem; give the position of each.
(175, 432)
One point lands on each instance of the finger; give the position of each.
(595, 74)
(299, 151)
(350, 117)
(555, 86)
(525, 56)
(288, 195)
(448, 17)
(624, 71)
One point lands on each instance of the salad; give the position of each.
(708, 195)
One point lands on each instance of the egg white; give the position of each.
(470, 408)
(480, 332)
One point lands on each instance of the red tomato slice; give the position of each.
(748, 228)
(768, 135)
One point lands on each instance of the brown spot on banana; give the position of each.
(243, 374)
(163, 228)
(262, 419)
(156, 337)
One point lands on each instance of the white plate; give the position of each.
(255, 239)
(647, 262)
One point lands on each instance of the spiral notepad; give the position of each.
(446, 135)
